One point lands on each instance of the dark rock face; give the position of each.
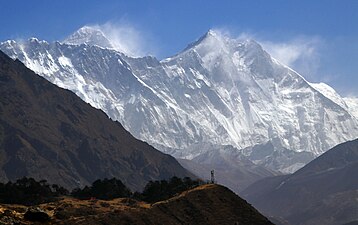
(49, 133)
(36, 215)
(325, 191)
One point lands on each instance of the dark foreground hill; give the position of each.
(207, 204)
(49, 133)
(325, 191)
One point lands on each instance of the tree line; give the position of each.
(28, 191)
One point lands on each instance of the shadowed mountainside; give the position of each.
(325, 191)
(49, 133)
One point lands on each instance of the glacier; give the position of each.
(218, 91)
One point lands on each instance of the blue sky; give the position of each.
(317, 38)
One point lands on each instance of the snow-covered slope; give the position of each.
(218, 91)
(89, 35)
(352, 103)
(330, 93)
(348, 103)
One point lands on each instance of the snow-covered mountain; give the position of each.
(348, 103)
(218, 91)
(352, 104)
(91, 36)
(330, 93)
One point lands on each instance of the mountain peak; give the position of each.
(211, 35)
(216, 39)
(91, 35)
(34, 40)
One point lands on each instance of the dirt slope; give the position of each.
(207, 204)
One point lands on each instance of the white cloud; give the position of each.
(311, 56)
(127, 38)
(299, 53)
(290, 52)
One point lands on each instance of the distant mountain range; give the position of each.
(325, 191)
(47, 132)
(218, 91)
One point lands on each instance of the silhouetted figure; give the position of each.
(212, 181)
